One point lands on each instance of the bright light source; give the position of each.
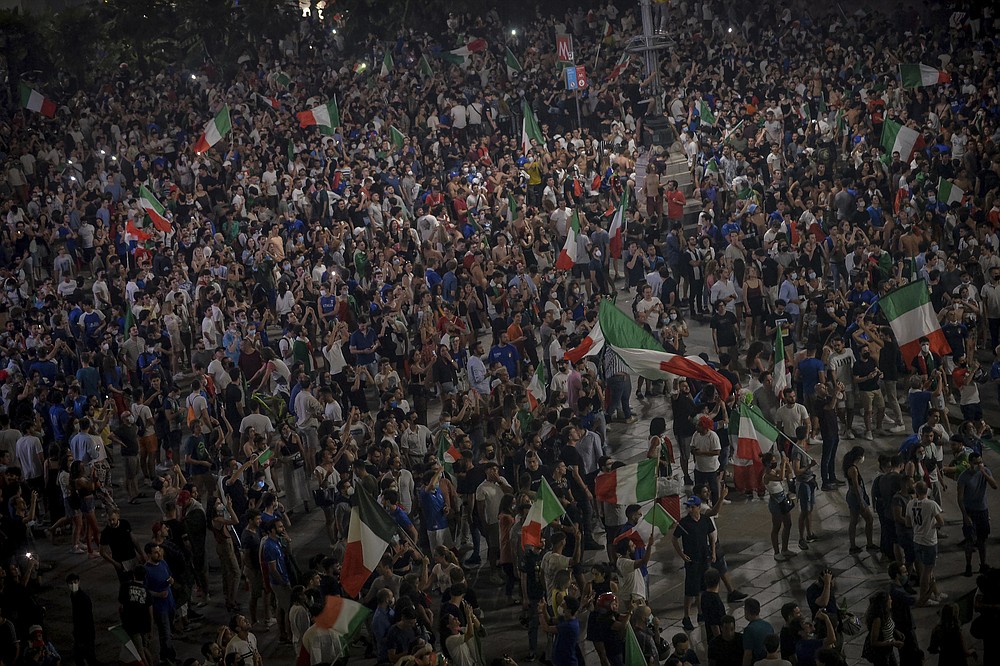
(513, 32)
(114, 159)
(73, 178)
(69, 161)
(730, 30)
(102, 152)
(193, 77)
(334, 31)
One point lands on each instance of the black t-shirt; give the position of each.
(600, 630)
(712, 609)
(532, 568)
(135, 601)
(864, 367)
(119, 540)
(683, 409)
(726, 653)
(771, 321)
(694, 537)
(725, 327)
(129, 435)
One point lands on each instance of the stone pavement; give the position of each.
(744, 530)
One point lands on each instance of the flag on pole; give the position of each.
(900, 139)
(513, 66)
(911, 317)
(567, 256)
(589, 346)
(658, 517)
(462, 56)
(780, 374)
(134, 234)
(628, 484)
(32, 100)
(215, 130)
(619, 67)
(425, 66)
(755, 436)
(370, 532)
(536, 388)
(543, 511)
(608, 30)
(155, 211)
(269, 102)
(529, 128)
(129, 654)
(617, 230)
(705, 113)
(387, 64)
(916, 75)
(397, 137)
(326, 116)
(512, 206)
(949, 193)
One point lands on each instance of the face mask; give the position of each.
(74, 587)
(287, 266)
(794, 276)
(925, 348)
(934, 248)
(831, 310)
(812, 276)
(673, 316)
(349, 492)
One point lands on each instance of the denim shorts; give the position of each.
(925, 555)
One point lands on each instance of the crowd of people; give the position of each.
(371, 310)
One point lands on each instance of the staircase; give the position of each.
(676, 168)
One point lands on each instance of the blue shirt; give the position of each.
(272, 552)
(754, 635)
(507, 356)
(432, 509)
(920, 402)
(327, 303)
(449, 286)
(564, 645)
(809, 370)
(157, 581)
(364, 340)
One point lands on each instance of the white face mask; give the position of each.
(74, 587)
(925, 348)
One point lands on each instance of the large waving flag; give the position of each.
(901, 139)
(949, 193)
(543, 511)
(645, 355)
(344, 616)
(326, 116)
(448, 453)
(387, 65)
(215, 130)
(134, 234)
(463, 54)
(911, 317)
(705, 113)
(589, 346)
(618, 222)
(567, 256)
(512, 63)
(370, 532)
(780, 371)
(755, 436)
(529, 128)
(628, 484)
(916, 75)
(155, 211)
(32, 100)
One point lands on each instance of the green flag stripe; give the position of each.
(909, 297)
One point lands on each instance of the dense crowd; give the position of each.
(363, 311)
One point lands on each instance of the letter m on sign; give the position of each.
(564, 48)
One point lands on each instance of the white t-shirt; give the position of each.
(923, 512)
(632, 583)
(28, 449)
(707, 442)
(244, 648)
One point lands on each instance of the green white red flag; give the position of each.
(325, 116)
(343, 616)
(129, 654)
(911, 317)
(628, 484)
(529, 128)
(567, 256)
(900, 139)
(463, 54)
(387, 65)
(618, 223)
(536, 388)
(154, 210)
(32, 100)
(448, 454)
(215, 130)
(512, 63)
(545, 509)
(370, 532)
(754, 436)
(634, 656)
(705, 113)
(949, 193)
(916, 75)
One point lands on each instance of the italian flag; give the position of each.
(510, 60)
(948, 193)
(154, 210)
(370, 532)
(911, 317)
(901, 139)
(217, 127)
(134, 234)
(463, 54)
(634, 656)
(543, 511)
(567, 256)
(529, 128)
(536, 388)
(326, 116)
(32, 100)
(915, 75)
(657, 518)
(129, 654)
(387, 64)
(706, 113)
(617, 230)
(629, 484)
(589, 346)
(645, 356)
(780, 372)
(343, 616)
(448, 454)
(755, 436)
(425, 66)
(270, 102)
(619, 67)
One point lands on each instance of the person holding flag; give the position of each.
(694, 541)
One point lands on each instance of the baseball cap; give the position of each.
(694, 500)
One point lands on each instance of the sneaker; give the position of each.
(811, 538)
(687, 624)
(736, 596)
(898, 429)
(829, 487)
(780, 557)
(639, 395)
(854, 550)
(868, 435)
(847, 434)
(840, 482)
(727, 501)
(530, 657)
(803, 545)
(931, 602)
(940, 596)
(632, 419)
